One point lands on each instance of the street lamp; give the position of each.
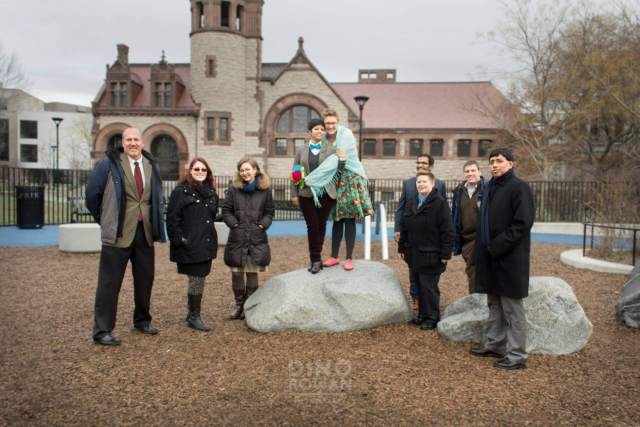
(360, 100)
(57, 121)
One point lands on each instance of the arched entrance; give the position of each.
(165, 149)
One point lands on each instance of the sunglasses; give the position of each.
(199, 169)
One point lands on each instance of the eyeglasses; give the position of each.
(422, 163)
(199, 169)
(330, 123)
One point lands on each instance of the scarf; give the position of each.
(250, 187)
(325, 174)
(487, 195)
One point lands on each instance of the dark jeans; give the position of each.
(429, 296)
(316, 219)
(113, 264)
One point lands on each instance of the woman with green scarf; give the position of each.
(352, 200)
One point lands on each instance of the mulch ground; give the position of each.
(52, 374)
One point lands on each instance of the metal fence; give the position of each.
(556, 201)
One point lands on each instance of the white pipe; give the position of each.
(367, 237)
(383, 232)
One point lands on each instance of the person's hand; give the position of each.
(341, 155)
(396, 236)
(261, 227)
(295, 201)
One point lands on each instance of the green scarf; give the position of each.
(325, 174)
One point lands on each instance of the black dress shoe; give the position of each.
(428, 325)
(107, 339)
(417, 320)
(149, 330)
(506, 363)
(316, 266)
(484, 352)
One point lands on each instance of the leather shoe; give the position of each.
(149, 330)
(428, 325)
(506, 363)
(484, 352)
(417, 320)
(316, 266)
(107, 339)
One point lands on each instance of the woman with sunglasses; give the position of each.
(194, 242)
(248, 211)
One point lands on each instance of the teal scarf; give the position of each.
(325, 174)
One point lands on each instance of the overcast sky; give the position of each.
(64, 45)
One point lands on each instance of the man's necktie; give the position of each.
(138, 177)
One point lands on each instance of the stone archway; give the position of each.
(159, 129)
(280, 106)
(102, 137)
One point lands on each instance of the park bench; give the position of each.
(78, 208)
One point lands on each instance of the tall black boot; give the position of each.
(239, 294)
(194, 321)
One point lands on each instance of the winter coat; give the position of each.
(106, 199)
(502, 266)
(456, 212)
(243, 212)
(427, 234)
(409, 191)
(190, 223)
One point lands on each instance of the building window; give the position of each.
(118, 94)
(210, 66)
(369, 147)
(224, 14)
(4, 103)
(483, 147)
(281, 147)
(28, 129)
(4, 139)
(464, 148)
(217, 129)
(28, 153)
(416, 147)
(239, 18)
(114, 142)
(292, 127)
(437, 147)
(163, 94)
(200, 16)
(165, 149)
(298, 143)
(389, 147)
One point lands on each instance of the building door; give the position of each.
(165, 150)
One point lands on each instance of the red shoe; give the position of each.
(330, 262)
(348, 265)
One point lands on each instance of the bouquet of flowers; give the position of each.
(297, 176)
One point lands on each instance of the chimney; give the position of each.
(123, 54)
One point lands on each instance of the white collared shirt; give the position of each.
(471, 188)
(133, 168)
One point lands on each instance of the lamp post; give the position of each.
(57, 121)
(360, 100)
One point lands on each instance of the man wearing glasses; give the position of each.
(424, 164)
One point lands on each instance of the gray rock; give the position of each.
(628, 308)
(332, 300)
(635, 272)
(556, 322)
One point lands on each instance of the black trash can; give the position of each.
(30, 206)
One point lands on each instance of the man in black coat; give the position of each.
(503, 248)
(424, 164)
(429, 238)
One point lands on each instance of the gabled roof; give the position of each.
(270, 70)
(423, 105)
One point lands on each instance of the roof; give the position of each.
(271, 70)
(446, 105)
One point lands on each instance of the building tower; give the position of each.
(226, 49)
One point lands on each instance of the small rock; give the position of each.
(628, 308)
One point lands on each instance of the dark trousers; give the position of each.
(428, 296)
(113, 264)
(316, 219)
(468, 253)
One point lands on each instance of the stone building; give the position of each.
(227, 104)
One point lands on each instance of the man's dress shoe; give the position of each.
(107, 339)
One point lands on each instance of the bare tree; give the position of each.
(12, 76)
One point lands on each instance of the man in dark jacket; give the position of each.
(124, 195)
(424, 163)
(502, 261)
(427, 228)
(466, 213)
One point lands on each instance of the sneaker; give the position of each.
(348, 265)
(330, 262)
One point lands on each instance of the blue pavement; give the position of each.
(48, 235)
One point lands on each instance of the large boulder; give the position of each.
(556, 322)
(332, 300)
(628, 308)
(636, 271)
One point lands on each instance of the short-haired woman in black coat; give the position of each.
(190, 223)
(248, 211)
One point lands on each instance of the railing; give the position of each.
(556, 201)
(618, 242)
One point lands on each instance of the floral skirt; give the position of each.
(353, 197)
